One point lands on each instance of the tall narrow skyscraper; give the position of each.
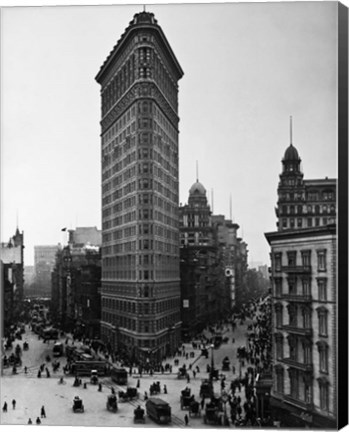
(140, 227)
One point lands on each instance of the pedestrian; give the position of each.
(38, 421)
(4, 408)
(100, 387)
(188, 378)
(194, 374)
(138, 383)
(197, 369)
(233, 370)
(165, 389)
(85, 385)
(13, 403)
(186, 419)
(25, 369)
(145, 395)
(43, 412)
(202, 403)
(30, 421)
(112, 390)
(48, 373)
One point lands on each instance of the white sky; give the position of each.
(247, 68)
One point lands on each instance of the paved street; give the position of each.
(31, 392)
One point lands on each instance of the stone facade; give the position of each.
(304, 299)
(140, 233)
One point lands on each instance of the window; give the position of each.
(278, 315)
(306, 313)
(322, 289)
(277, 261)
(292, 314)
(307, 357)
(306, 287)
(292, 285)
(279, 346)
(309, 222)
(324, 395)
(278, 287)
(321, 260)
(280, 380)
(323, 356)
(323, 324)
(291, 257)
(299, 222)
(306, 258)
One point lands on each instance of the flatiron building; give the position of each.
(140, 290)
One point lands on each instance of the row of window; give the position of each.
(301, 388)
(140, 308)
(306, 318)
(306, 288)
(307, 209)
(118, 84)
(305, 259)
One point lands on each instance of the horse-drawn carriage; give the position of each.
(206, 389)
(14, 360)
(212, 414)
(129, 394)
(226, 364)
(112, 404)
(138, 415)
(182, 372)
(94, 376)
(194, 409)
(186, 398)
(78, 406)
(214, 374)
(155, 388)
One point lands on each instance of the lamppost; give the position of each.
(212, 363)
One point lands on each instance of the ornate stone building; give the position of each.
(140, 252)
(213, 263)
(304, 298)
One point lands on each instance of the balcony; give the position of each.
(301, 331)
(296, 297)
(299, 403)
(297, 269)
(297, 365)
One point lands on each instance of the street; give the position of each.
(31, 393)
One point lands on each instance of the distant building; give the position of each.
(12, 275)
(85, 235)
(76, 284)
(213, 263)
(44, 261)
(140, 257)
(303, 276)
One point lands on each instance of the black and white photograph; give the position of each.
(170, 196)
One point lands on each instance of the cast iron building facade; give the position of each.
(140, 232)
(303, 275)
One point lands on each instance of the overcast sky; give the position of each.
(247, 68)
